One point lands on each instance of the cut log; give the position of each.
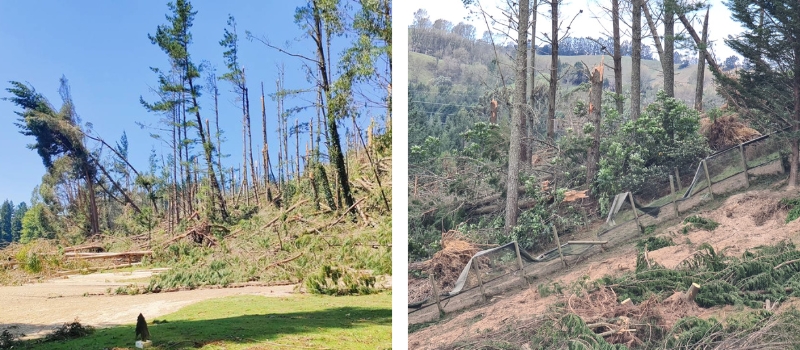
(90, 256)
(692, 292)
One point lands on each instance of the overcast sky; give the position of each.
(586, 24)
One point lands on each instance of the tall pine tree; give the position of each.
(771, 40)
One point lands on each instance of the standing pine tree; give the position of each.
(174, 39)
(16, 221)
(771, 41)
(6, 212)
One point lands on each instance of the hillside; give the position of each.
(752, 240)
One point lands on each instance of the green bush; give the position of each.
(642, 152)
(793, 205)
(336, 280)
(701, 223)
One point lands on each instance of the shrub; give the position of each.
(701, 223)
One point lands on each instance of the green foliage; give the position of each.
(692, 332)
(701, 223)
(748, 280)
(569, 331)
(337, 280)
(654, 243)
(793, 205)
(643, 151)
(36, 224)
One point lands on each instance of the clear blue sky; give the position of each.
(103, 49)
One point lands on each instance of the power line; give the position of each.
(444, 104)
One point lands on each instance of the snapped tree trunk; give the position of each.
(265, 149)
(701, 67)
(518, 115)
(208, 149)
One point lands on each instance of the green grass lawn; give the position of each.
(255, 322)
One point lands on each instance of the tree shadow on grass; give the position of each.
(340, 327)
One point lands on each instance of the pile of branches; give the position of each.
(726, 131)
(446, 265)
(771, 272)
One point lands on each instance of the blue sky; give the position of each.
(103, 49)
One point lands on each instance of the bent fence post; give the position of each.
(480, 280)
(708, 178)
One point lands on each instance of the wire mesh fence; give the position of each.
(722, 172)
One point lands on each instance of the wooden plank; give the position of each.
(672, 192)
(744, 165)
(436, 296)
(635, 214)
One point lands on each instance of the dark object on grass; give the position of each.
(70, 330)
(141, 328)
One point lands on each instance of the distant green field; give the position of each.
(256, 322)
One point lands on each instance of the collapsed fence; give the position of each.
(499, 270)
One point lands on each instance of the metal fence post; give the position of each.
(744, 165)
(635, 214)
(436, 295)
(672, 191)
(480, 280)
(708, 177)
(519, 261)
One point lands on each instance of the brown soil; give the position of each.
(35, 309)
(747, 220)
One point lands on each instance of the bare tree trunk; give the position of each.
(297, 148)
(551, 109)
(620, 103)
(244, 186)
(215, 188)
(265, 149)
(219, 141)
(636, 60)
(595, 106)
(279, 101)
(701, 68)
(669, 47)
(518, 114)
(94, 221)
(253, 176)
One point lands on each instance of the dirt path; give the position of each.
(35, 309)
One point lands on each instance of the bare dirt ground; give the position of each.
(747, 220)
(35, 309)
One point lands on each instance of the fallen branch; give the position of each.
(92, 269)
(785, 263)
(284, 261)
(84, 247)
(346, 213)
